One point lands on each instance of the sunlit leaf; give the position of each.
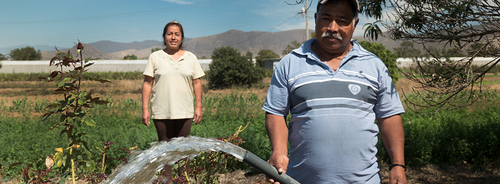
(90, 122)
(81, 101)
(90, 166)
(59, 150)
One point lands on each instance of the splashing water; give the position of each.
(142, 167)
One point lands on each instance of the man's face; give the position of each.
(335, 26)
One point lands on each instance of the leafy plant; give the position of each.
(72, 110)
(388, 57)
(229, 68)
(35, 176)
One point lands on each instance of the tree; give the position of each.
(265, 54)
(389, 58)
(249, 55)
(155, 49)
(25, 53)
(468, 26)
(130, 57)
(3, 57)
(406, 50)
(483, 49)
(230, 68)
(293, 45)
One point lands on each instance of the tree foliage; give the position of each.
(265, 54)
(130, 57)
(457, 26)
(155, 49)
(25, 53)
(468, 27)
(389, 58)
(249, 55)
(3, 57)
(230, 68)
(406, 50)
(293, 45)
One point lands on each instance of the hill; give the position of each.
(253, 41)
(89, 52)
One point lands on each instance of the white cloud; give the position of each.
(182, 2)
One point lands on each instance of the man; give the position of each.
(334, 90)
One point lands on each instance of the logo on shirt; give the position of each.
(355, 89)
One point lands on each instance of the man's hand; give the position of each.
(397, 175)
(280, 161)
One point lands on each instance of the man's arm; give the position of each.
(277, 131)
(392, 132)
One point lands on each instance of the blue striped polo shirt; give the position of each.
(332, 130)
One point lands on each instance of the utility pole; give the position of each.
(307, 20)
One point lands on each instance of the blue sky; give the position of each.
(63, 22)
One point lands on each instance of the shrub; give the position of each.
(229, 68)
(388, 57)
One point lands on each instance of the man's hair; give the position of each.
(173, 23)
(354, 8)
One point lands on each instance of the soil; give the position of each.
(462, 173)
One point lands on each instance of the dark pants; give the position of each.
(167, 129)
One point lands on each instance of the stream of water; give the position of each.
(143, 165)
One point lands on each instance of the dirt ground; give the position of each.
(462, 173)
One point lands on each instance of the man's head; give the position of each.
(354, 6)
(335, 24)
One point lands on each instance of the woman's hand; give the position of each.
(145, 117)
(198, 116)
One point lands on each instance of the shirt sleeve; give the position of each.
(388, 101)
(278, 95)
(149, 71)
(197, 70)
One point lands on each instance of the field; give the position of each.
(26, 99)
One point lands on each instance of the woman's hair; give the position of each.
(173, 23)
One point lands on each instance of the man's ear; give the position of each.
(315, 17)
(356, 22)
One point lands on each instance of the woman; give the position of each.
(171, 78)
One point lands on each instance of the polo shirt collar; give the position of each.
(306, 50)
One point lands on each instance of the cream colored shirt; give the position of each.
(172, 96)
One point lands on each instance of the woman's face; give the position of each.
(173, 38)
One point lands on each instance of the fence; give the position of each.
(139, 65)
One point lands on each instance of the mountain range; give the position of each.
(252, 41)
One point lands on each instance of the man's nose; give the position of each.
(333, 26)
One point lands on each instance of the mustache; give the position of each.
(331, 34)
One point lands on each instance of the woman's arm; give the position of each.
(198, 92)
(147, 85)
